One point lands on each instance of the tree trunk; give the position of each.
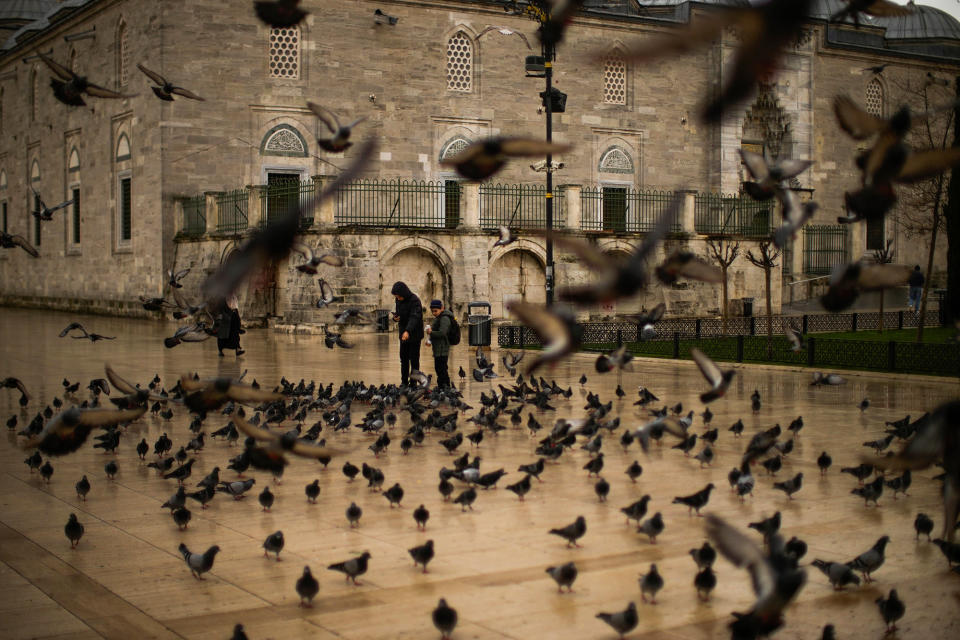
(952, 213)
(723, 310)
(881, 310)
(766, 278)
(933, 247)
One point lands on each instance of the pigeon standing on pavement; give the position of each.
(923, 525)
(353, 567)
(353, 514)
(870, 560)
(307, 588)
(892, 609)
(73, 530)
(420, 516)
(444, 619)
(564, 575)
(623, 622)
(790, 486)
(650, 583)
(839, 574)
(422, 554)
(652, 527)
(199, 563)
(572, 532)
(273, 544)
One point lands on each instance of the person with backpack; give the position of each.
(443, 332)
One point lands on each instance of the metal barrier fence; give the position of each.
(277, 198)
(232, 211)
(399, 203)
(824, 246)
(519, 206)
(740, 215)
(194, 216)
(622, 209)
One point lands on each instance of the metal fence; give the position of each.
(623, 209)
(232, 211)
(277, 198)
(738, 215)
(399, 203)
(519, 206)
(194, 216)
(824, 246)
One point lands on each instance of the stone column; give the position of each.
(255, 193)
(688, 213)
(471, 206)
(210, 210)
(571, 194)
(323, 217)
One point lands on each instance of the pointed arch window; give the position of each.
(454, 147)
(873, 100)
(460, 63)
(614, 80)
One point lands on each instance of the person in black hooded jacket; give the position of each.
(409, 315)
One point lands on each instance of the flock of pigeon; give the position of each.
(273, 424)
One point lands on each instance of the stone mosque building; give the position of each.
(158, 185)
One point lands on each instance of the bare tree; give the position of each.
(767, 261)
(724, 251)
(883, 256)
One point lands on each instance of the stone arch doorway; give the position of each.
(516, 275)
(422, 272)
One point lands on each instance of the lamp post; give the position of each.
(539, 11)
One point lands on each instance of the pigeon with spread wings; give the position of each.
(69, 87)
(165, 89)
(67, 431)
(617, 280)
(201, 396)
(340, 138)
(557, 330)
(719, 380)
(12, 241)
(848, 280)
(45, 213)
(279, 14)
(484, 158)
(272, 454)
(16, 383)
(313, 260)
(273, 243)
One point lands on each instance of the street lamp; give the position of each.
(553, 100)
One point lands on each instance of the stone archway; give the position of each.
(420, 270)
(518, 274)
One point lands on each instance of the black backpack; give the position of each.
(453, 336)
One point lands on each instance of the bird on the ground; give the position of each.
(767, 527)
(199, 563)
(422, 554)
(34, 461)
(636, 510)
(838, 573)
(237, 488)
(177, 500)
(923, 524)
(891, 609)
(564, 575)
(737, 428)
(111, 469)
(950, 550)
(466, 499)
(420, 516)
(312, 491)
(900, 484)
(870, 560)
(165, 90)
(602, 489)
(705, 457)
(594, 466)
(704, 582)
(182, 472)
(73, 530)
(83, 488)
(521, 487)
(572, 532)
(482, 159)
(623, 622)
(394, 494)
(307, 588)
(353, 567)
(444, 619)
(203, 496)
(773, 465)
(266, 498)
(790, 486)
(824, 461)
(695, 501)
(704, 556)
(350, 470)
(870, 492)
(634, 471)
(273, 544)
(650, 583)
(353, 514)
(181, 517)
(46, 471)
(652, 527)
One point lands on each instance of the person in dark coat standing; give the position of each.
(439, 338)
(409, 316)
(915, 282)
(229, 327)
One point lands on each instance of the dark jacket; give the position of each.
(410, 311)
(916, 279)
(439, 333)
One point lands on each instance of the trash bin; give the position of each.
(479, 325)
(747, 307)
(383, 320)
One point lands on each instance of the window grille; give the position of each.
(76, 215)
(126, 211)
(460, 63)
(615, 80)
(123, 56)
(874, 98)
(285, 53)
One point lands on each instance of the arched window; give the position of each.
(614, 80)
(123, 55)
(284, 140)
(460, 63)
(454, 147)
(123, 148)
(73, 161)
(616, 160)
(873, 100)
(285, 53)
(124, 206)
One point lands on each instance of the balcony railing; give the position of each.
(232, 211)
(737, 215)
(399, 203)
(519, 206)
(824, 247)
(623, 209)
(194, 216)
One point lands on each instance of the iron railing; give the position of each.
(232, 211)
(399, 203)
(737, 215)
(623, 209)
(276, 199)
(824, 247)
(194, 216)
(519, 206)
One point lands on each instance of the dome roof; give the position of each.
(924, 22)
(25, 10)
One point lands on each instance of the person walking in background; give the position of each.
(229, 327)
(439, 338)
(916, 289)
(409, 316)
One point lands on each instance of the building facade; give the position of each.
(159, 185)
